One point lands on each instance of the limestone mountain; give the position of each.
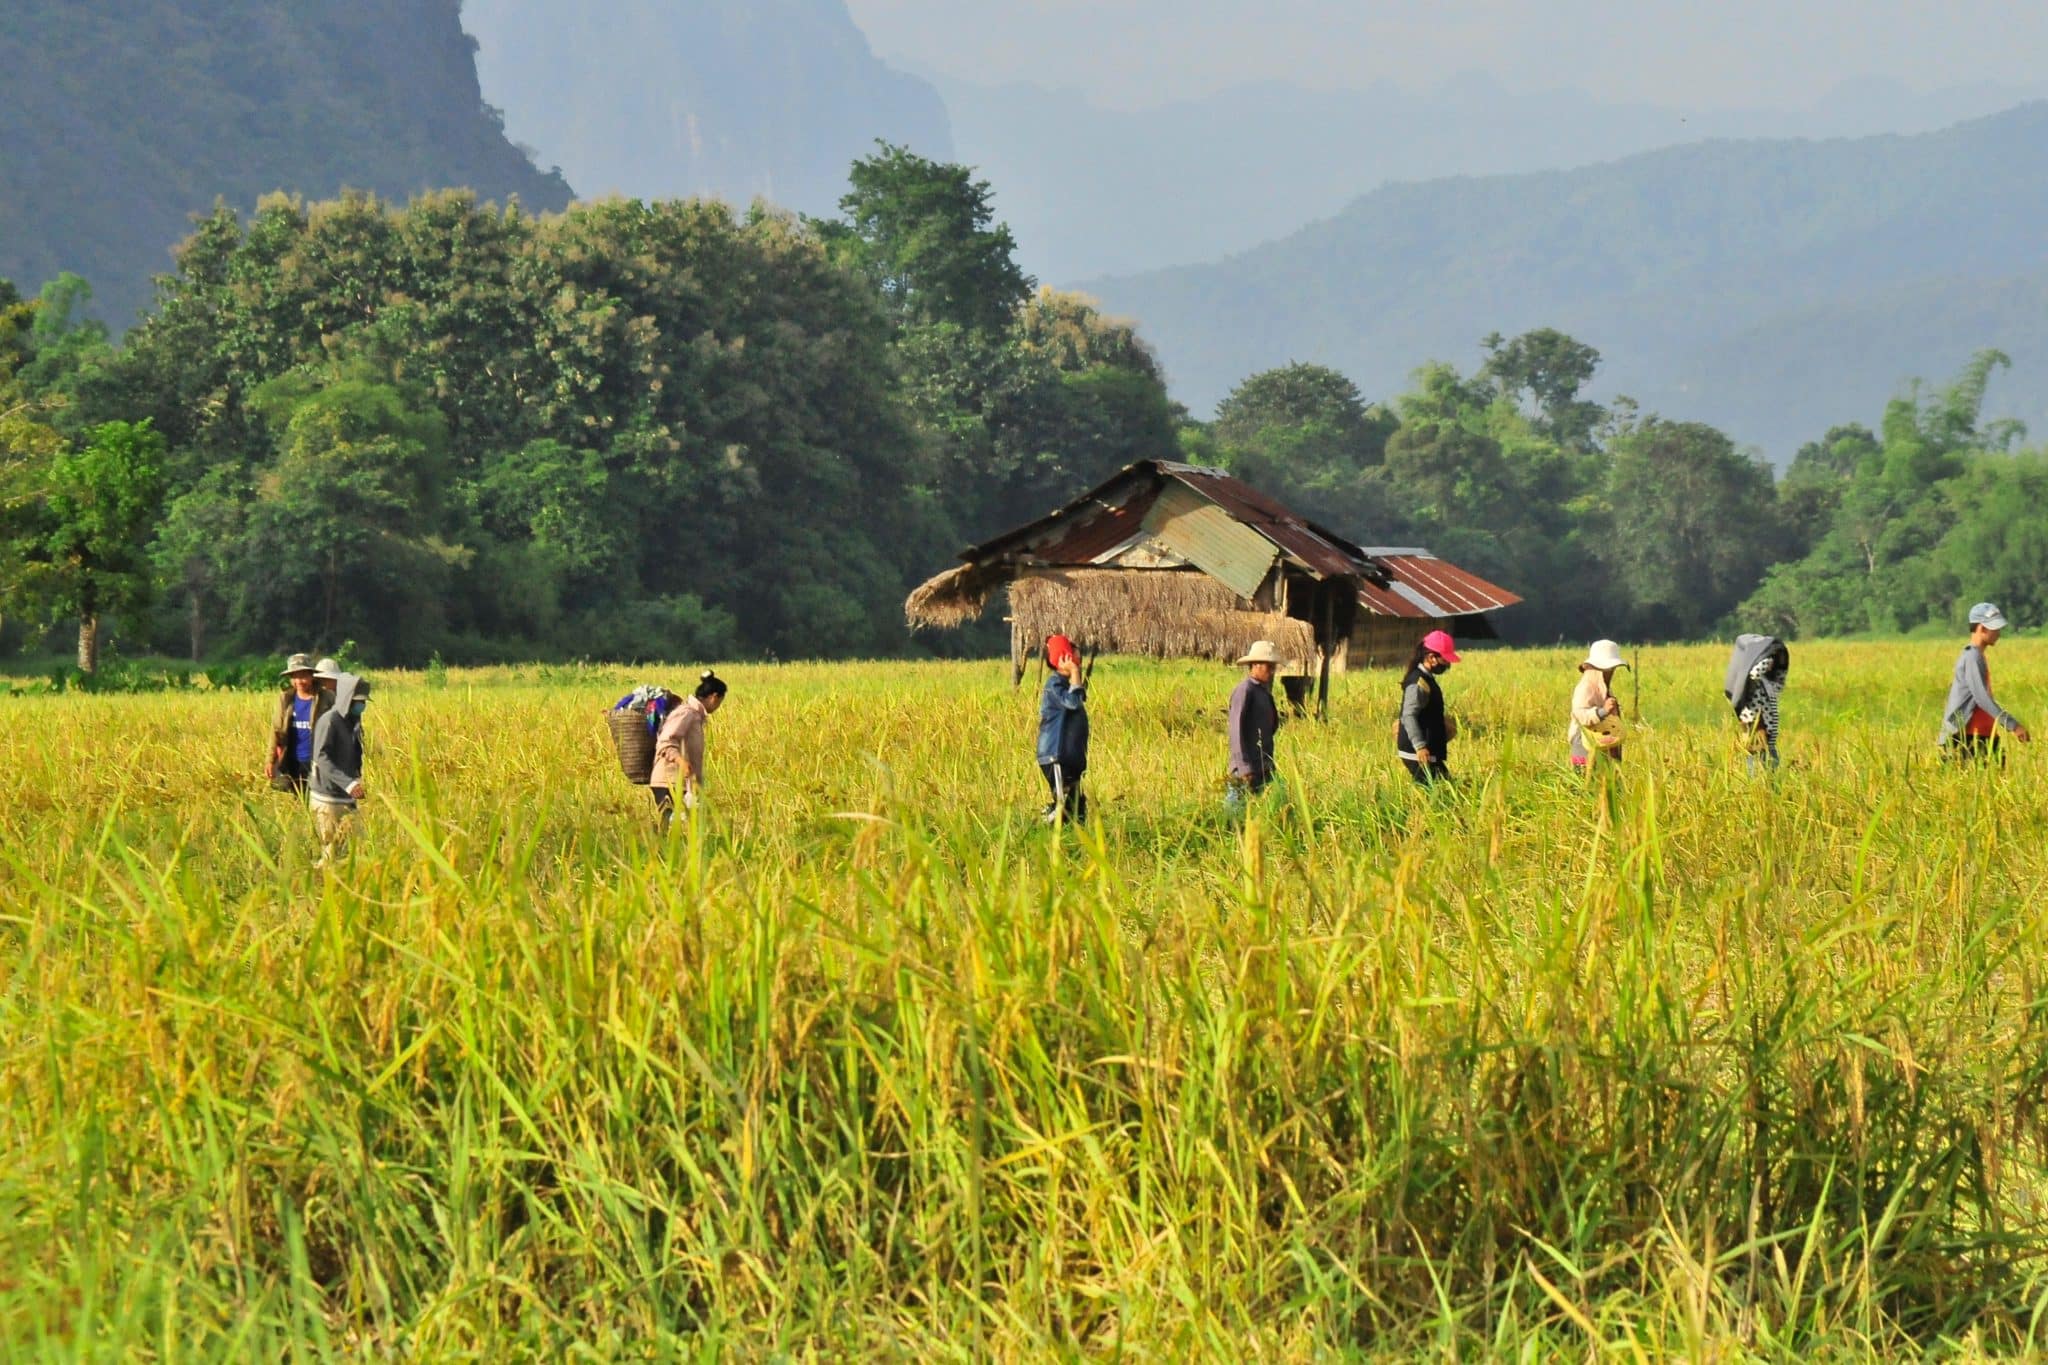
(125, 117)
(734, 98)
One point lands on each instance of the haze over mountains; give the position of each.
(1093, 191)
(741, 99)
(1769, 287)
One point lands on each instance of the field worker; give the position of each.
(1595, 729)
(1423, 741)
(1970, 721)
(337, 774)
(1254, 722)
(1756, 675)
(679, 748)
(327, 673)
(1063, 730)
(299, 708)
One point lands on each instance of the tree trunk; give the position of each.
(196, 621)
(88, 644)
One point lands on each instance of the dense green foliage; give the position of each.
(1765, 287)
(640, 429)
(126, 117)
(864, 1063)
(624, 431)
(1615, 522)
(1607, 523)
(1909, 524)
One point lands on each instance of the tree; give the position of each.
(1312, 408)
(923, 231)
(1306, 433)
(194, 551)
(103, 501)
(343, 538)
(1551, 368)
(69, 347)
(28, 444)
(1694, 524)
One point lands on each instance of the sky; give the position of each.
(1702, 53)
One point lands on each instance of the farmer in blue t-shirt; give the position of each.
(299, 707)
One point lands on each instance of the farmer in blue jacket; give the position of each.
(1063, 731)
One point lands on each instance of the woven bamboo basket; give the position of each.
(633, 742)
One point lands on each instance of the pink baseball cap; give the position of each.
(1439, 643)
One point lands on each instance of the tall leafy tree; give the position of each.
(343, 538)
(925, 233)
(1550, 369)
(89, 560)
(1694, 524)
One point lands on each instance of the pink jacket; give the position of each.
(679, 748)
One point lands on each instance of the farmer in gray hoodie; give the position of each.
(337, 782)
(1971, 719)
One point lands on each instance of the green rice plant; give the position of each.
(862, 1060)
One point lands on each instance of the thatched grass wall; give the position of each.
(1164, 612)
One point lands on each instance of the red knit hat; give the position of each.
(1058, 649)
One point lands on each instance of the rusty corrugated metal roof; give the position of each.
(1082, 539)
(1421, 585)
(1408, 582)
(1320, 551)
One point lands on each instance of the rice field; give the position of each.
(865, 1062)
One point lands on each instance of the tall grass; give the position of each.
(863, 1061)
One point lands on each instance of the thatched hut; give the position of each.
(1180, 561)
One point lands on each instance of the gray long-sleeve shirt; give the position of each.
(1254, 720)
(1970, 692)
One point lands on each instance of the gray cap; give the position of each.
(1987, 616)
(327, 669)
(298, 663)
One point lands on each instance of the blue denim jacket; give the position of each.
(1063, 724)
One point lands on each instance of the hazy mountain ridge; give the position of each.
(767, 98)
(1096, 191)
(1684, 266)
(132, 115)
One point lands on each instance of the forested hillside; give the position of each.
(734, 98)
(124, 118)
(1766, 287)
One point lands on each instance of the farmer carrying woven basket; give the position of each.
(679, 748)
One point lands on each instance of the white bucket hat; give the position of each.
(327, 670)
(1605, 654)
(1262, 652)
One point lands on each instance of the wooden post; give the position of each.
(1328, 631)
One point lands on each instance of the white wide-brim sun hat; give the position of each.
(1605, 654)
(1262, 652)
